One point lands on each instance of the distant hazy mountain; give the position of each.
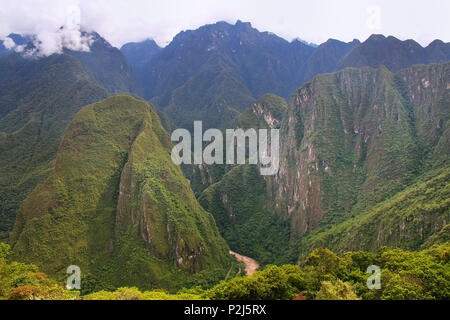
(115, 192)
(109, 66)
(214, 72)
(139, 54)
(394, 54)
(359, 150)
(38, 99)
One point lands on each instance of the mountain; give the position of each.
(355, 137)
(394, 53)
(215, 72)
(115, 202)
(139, 54)
(359, 150)
(238, 198)
(412, 219)
(108, 65)
(38, 99)
(325, 58)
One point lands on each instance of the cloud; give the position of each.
(120, 21)
(69, 36)
(9, 43)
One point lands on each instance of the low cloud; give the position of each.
(47, 40)
(9, 43)
(47, 43)
(121, 21)
(69, 36)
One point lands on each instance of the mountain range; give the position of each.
(215, 72)
(86, 176)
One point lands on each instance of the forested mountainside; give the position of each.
(215, 72)
(38, 99)
(108, 66)
(115, 201)
(86, 175)
(350, 141)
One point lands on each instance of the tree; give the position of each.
(336, 290)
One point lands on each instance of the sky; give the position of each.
(135, 20)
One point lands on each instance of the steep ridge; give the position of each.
(38, 99)
(267, 112)
(213, 73)
(394, 54)
(117, 206)
(350, 141)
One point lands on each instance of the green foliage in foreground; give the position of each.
(20, 281)
(324, 276)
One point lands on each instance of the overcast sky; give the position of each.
(314, 21)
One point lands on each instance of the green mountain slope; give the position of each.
(117, 206)
(415, 217)
(215, 72)
(240, 208)
(350, 141)
(353, 138)
(38, 99)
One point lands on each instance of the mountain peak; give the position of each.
(376, 37)
(239, 23)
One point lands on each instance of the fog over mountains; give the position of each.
(86, 175)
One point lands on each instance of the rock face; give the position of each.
(116, 205)
(355, 137)
(350, 141)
